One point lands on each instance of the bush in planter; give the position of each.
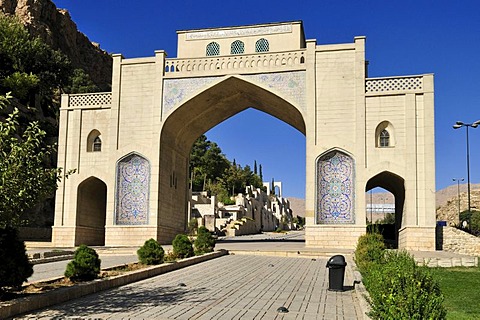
(399, 289)
(370, 249)
(204, 242)
(15, 267)
(151, 252)
(84, 266)
(182, 246)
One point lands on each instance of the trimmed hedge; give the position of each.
(85, 265)
(398, 288)
(151, 252)
(182, 246)
(204, 242)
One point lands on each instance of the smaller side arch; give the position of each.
(91, 212)
(384, 135)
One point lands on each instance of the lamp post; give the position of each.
(458, 194)
(383, 208)
(458, 125)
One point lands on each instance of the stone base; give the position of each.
(112, 236)
(129, 235)
(417, 238)
(63, 237)
(333, 236)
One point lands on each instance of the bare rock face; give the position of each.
(56, 28)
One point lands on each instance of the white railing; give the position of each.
(396, 84)
(292, 60)
(101, 99)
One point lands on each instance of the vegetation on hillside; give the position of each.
(211, 171)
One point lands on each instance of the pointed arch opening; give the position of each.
(386, 205)
(91, 212)
(197, 116)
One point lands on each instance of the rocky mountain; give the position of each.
(298, 206)
(56, 28)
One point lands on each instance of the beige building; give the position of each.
(131, 146)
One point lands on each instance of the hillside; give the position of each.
(56, 28)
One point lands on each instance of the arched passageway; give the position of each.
(196, 116)
(396, 186)
(91, 212)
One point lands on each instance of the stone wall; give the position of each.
(458, 241)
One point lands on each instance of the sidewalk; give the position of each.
(229, 287)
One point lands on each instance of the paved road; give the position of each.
(230, 287)
(56, 269)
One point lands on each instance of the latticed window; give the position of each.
(97, 144)
(213, 49)
(384, 138)
(262, 45)
(237, 47)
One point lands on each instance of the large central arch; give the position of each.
(188, 121)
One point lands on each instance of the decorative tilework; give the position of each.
(132, 194)
(290, 84)
(335, 189)
(176, 91)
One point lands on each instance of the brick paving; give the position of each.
(230, 287)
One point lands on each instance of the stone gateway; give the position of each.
(131, 146)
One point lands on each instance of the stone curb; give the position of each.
(9, 309)
(360, 290)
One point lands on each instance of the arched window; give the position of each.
(384, 138)
(213, 49)
(385, 135)
(94, 141)
(237, 47)
(262, 45)
(97, 144)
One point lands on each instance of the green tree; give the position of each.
(207, 163)
(29, 67)
(81, 83)
(24, 180)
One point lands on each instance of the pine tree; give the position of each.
(255, 166)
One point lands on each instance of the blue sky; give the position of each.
(403, 38)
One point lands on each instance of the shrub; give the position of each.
(14, 265)
(204, 242)
(370, 249)
(399, 289)
(151, 252)
(182, 246)
(84, 266)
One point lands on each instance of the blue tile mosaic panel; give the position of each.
(335, 189)
(133, 189)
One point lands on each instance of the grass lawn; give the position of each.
(461, 288)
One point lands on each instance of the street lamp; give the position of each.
(458, 125)
(458, 194)
(383, 208)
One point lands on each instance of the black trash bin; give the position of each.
(336, 272)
